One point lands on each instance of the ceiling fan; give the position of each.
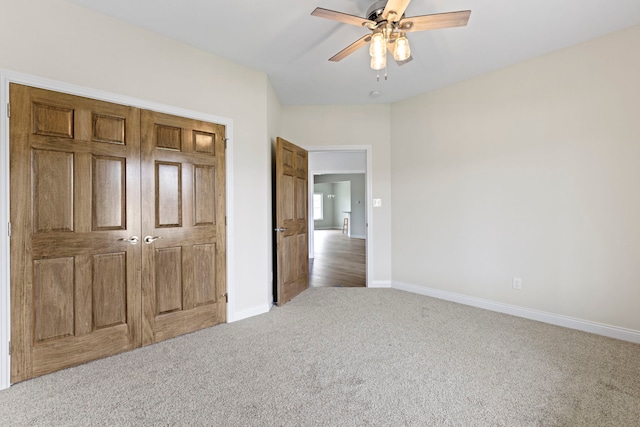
(389, 26)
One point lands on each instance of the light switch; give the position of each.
(377, 203)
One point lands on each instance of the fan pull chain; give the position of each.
(378, 74)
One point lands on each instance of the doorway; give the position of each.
(339, 242)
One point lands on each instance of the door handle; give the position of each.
(133, 240)
(281, 230)
(149, 239)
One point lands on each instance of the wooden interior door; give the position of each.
(75, 264)
(291, 219)
(183, 221)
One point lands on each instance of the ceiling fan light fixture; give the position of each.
(378, 62)
(378, 45)
(386, 19)
(402, 50)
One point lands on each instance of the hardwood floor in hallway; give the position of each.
(339, 260)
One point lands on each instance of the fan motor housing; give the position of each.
(374, 13)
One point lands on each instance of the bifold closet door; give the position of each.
(116, 240)
(183, 222)
(75, 217)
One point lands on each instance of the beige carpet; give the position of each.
(350, 357)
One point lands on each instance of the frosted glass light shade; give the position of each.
(378, 45)
(402, 51)
(379, 62)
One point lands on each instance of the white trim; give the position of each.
(527, 313)
(311, 226)
(5, 300)
(6, 77)
(380, 284)
(358, 236)
(338, 172)
(231, 254)
(245, 314)
(369, 194)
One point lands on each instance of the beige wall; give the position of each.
(532, 171)
(330, 125)
(62, 41)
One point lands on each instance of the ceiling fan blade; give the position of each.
(394, 9)
(343, 17)
(434, 22)
(351, 48)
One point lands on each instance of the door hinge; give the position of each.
(225, 220)
(226, 297)
(225, 143)
(9, 229)
(9, 348)
(8, 109)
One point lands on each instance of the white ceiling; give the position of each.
(281, 38)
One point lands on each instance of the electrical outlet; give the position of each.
(377, 203)
(517, 283)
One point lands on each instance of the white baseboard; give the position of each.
(358, 236)
(245, 314)
(527, 313)
(380, 284)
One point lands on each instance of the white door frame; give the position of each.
(7, 77)
(368, 204)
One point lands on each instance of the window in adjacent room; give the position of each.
(317, 206)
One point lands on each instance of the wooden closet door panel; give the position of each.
(75, 188)
(183, 215)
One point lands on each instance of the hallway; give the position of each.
(339, 261)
